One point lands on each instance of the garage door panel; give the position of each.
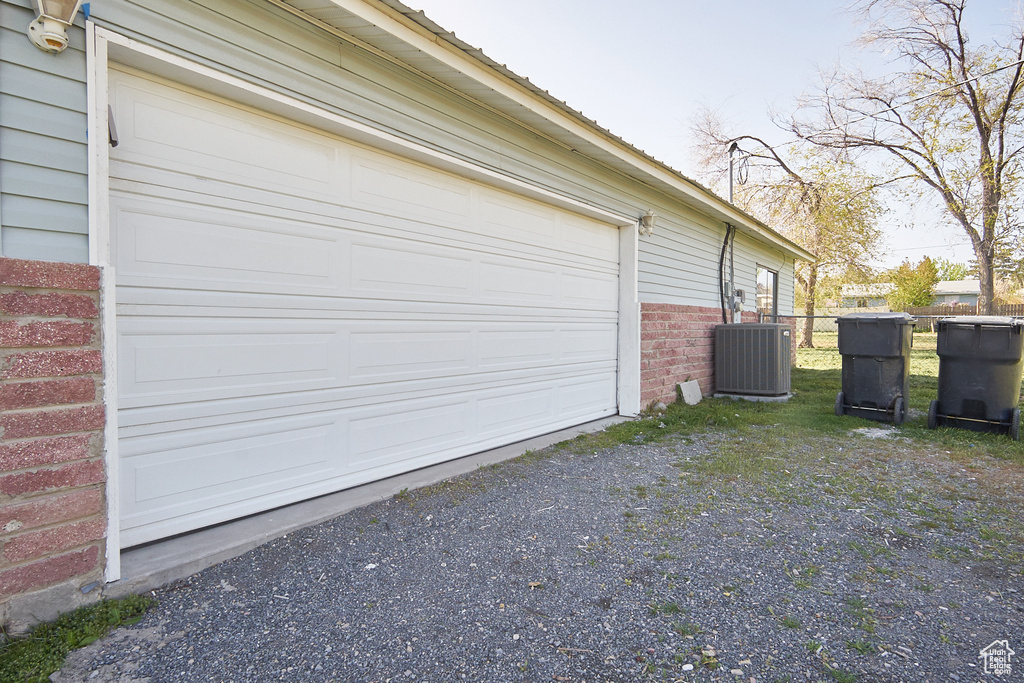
(395, 271)
(529, 283)
(594, 241)
(583, 345)
(584, 395)
(200, 135)
(172, 367)
(589, 290)
(170, 392)
(511, 348)
(237, 305)
(171, 244)
(245, 448)
(238, 469)
(537, 226)
(397, 188)
(519, 221)
(472, 239)
(224, 467)
(309, 314)
(510, 411)
(534, 405)
(163, 183)
(223, 363)
(230, 464)
(405, 355)
(413, 429)
(519, 283)
(373, 237)
(152, 417)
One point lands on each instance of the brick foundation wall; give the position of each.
(794, 336)
(677, 344)
(52, 509)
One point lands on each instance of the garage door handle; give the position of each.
(111, 127)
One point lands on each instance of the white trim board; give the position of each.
(99, 255)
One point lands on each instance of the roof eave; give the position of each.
(413, 28)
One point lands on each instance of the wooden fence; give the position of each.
(948, 310)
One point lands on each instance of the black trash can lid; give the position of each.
(989, 320)
(862, 317)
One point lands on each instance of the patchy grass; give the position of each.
(825, 363)
(664, 608)
(791, 622)
(861, 646)
(841, 676)
(808, 415)
(33, 657)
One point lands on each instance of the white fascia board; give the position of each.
(436, 47)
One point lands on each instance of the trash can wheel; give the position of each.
(899, 411)
(1015, 424)
(933, 415)
(840, 399)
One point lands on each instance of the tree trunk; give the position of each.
(807, 334)
(986, 280)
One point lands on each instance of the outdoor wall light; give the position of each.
(49, 32)
(647, 224)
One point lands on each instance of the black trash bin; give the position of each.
(876, 365)
(980, 367)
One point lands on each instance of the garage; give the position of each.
(297, 313)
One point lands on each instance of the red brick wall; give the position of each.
(677, 344)
(794, 335)
(52, 512)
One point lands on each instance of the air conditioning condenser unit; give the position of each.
(753, 359)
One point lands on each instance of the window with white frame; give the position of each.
(767, 293)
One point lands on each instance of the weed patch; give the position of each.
(33, 657)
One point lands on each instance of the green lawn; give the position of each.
(924, 365)
(810, 413)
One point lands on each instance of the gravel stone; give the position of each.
(879, 559)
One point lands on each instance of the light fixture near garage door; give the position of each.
(49, 31)
(646, 223)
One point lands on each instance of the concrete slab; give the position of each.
(690, 391)
(755, 398)
(160, 563)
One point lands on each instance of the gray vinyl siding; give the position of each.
(787, 289)
(44, 205)
(679, 262)
(749, 255)
(44, 189)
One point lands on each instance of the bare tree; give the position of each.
(949, 116)
(817, 197)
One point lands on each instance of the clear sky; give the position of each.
(643, 68)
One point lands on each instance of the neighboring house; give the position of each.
(946, 292)
(865, 296)
(333, 243)
(961, 292)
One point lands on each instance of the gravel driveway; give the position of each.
(711, 557)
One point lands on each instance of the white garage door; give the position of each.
(297, 314)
